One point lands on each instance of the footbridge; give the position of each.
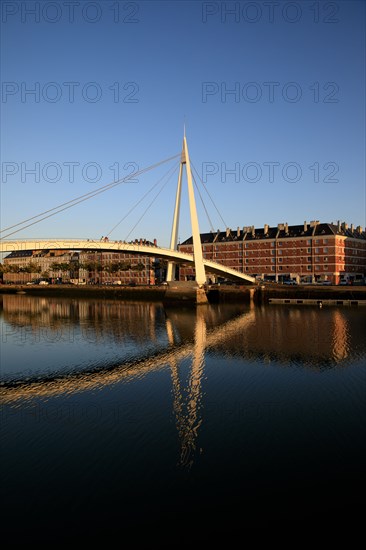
(117, 246)
(171, 254)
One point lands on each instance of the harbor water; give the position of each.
(132, 416)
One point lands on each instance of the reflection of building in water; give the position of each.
(341, 336)
(308, 335)
(97, 318)
(305, 334)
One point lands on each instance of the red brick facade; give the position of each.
(306, 253)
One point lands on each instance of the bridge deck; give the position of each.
(119, 246)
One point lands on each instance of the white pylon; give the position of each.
(197, 246)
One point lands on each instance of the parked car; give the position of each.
(290, 282)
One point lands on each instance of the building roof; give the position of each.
(282, 231)
(19, 254)
(40, 253)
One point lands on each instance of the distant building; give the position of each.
(116, 268)
(27, 265)
(310, 252)
(89, 267)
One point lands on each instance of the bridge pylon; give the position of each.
(197, 246)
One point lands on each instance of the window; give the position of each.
(325, 241)
(317, 268)
(272, 244)
(309, 267)
(316, 241)
(246, 261)
(272, 252)
(308, 250)
(317, 258)
(325, 259)
(308, 241)
(272, 268)
(309, 258)
(246, 245)
(280, 268)
(325, 250)
(280, 252)
(280, 259)
(272, 261)
(317, 251)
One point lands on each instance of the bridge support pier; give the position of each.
(187, 292)
(201, 296)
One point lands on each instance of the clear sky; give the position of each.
(272, 95)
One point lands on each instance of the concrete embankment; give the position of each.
(265, 293)
(312, 292)
(215, 294)
(153, 293)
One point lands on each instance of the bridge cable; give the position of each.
(174, 168)
(217, 210)
(82, 198)
(203, 204)
(152, 202)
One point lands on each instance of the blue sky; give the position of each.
(273, 98)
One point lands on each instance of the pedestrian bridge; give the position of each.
(172, 254)
(119, 246)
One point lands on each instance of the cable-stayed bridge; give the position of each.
(172, 254)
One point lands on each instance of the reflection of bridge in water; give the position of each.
(272, 334)
(186, 410)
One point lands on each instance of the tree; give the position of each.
(74, 267)
(55, 266)
(34, 268)
(124, 266)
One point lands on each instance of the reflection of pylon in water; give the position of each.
(187, 422)
(188, 418)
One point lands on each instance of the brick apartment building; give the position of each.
(310, 252)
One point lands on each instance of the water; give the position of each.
(128, 417)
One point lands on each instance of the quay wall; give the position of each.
(216, 294)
